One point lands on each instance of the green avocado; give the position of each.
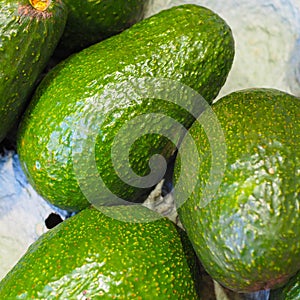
(113, 93)
(28, 37)
(92, 21)
(246, 227)
(290, 291)
(93, 256)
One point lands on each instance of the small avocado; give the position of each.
(290, 291)
(77, 113)
(94, 256)
(247, 234)
(29, 33)
(92, 21)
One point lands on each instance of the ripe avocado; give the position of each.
(92, 21)
(187, 44)
(28, 38)
(290, 291)
(248, 234)
(93, 256)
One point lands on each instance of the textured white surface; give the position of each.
(267, 35)
(22, 213)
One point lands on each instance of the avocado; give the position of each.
(29, 34)
(93, 256)
(290, 291)
(247, 234)
(92, 21)
(100, 98)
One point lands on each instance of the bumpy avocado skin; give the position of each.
(290, 291)
(27, 40)
(248, 235)
(93, 256)
(92, 21)
(188, 44)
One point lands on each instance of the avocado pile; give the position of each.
(101, 99)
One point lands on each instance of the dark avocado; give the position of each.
(290, 291)
(92, 21)
(28, 37)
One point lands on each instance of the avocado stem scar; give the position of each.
(30, 11)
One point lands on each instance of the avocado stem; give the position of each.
(40, 5)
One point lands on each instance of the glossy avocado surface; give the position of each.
(93, 256)
(92, 21)
(28, 37)
(247, 233)
(290, 291)
(78, 111)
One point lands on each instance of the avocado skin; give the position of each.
(290, 291)
(248, 235)
(27, 40)
(93, 256)
(92, 21)
(189, 44)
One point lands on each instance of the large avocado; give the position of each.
(93, 256)
(92, 21)
(93, 91)
(28, 37)
(247, 234)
